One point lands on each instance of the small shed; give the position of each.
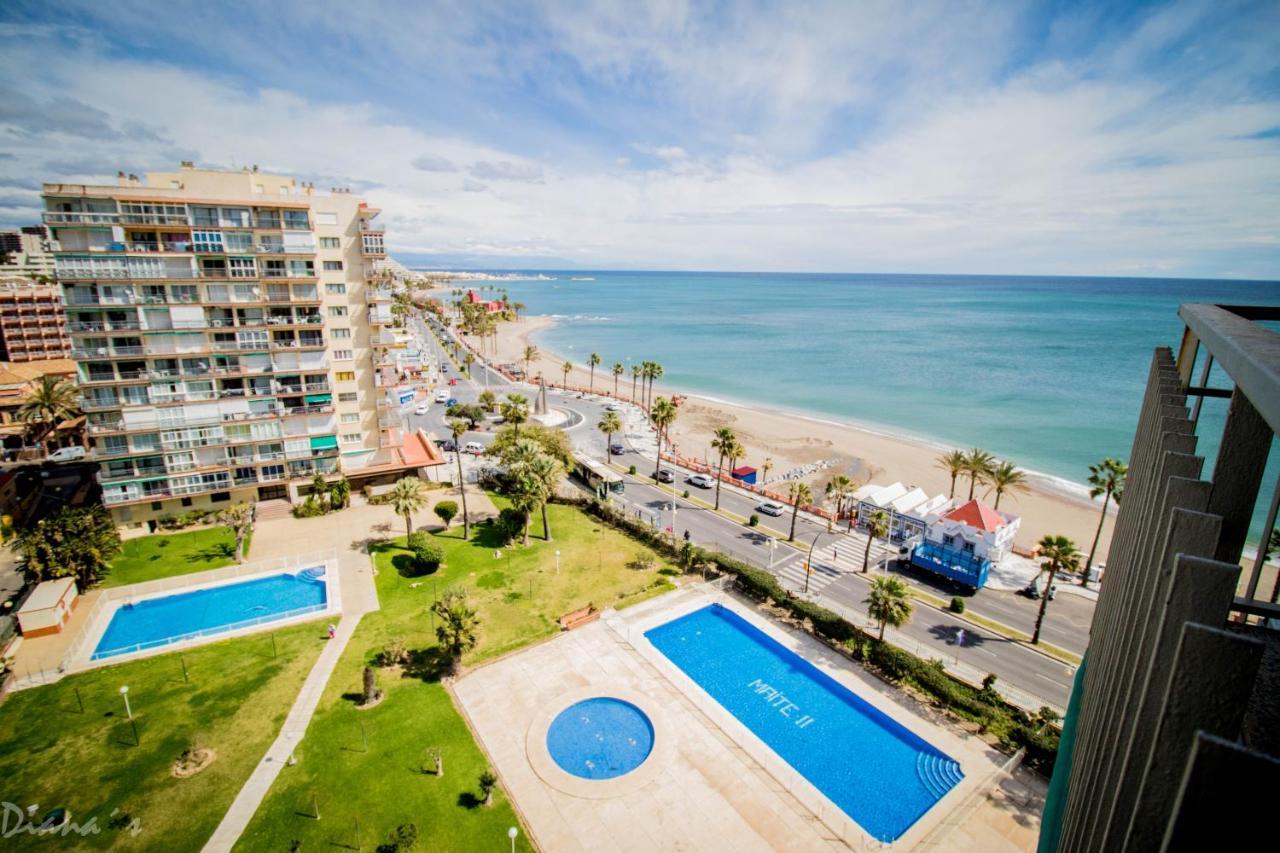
(745, 474)
(48, 607)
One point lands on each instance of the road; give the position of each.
(837, 580)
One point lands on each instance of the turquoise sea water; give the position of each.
(1046, 372)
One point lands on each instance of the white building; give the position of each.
(907, 508)
(974, 528)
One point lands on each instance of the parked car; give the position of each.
(771, 508)
(617, 449)
(702, 481)
(1032, 590)
(421, 409)
(453, 382)
(67, 454)
(613, 407)
(475, 448)
(441, 396)
(447, 444)
(666, 475)
(452, 401)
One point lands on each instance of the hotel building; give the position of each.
(32, 326)
(232, 334)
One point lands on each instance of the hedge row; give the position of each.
(982, 706)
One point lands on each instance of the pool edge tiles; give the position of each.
(834, 741)
(322, 575)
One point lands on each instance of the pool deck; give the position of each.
(709, 783)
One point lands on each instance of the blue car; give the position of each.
(453, 401)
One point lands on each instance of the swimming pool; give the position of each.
(600, 738)
(169, 619)
(877, 772)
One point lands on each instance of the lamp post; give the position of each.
(124, 692)
(773, 550)
(557, 561)
(512, 833)
(808, 560)
(673, 521)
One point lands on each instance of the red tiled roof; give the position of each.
(977, 515)
(420, 452)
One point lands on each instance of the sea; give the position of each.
(1047, 372)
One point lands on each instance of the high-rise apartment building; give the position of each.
(26, 252)
(32, 326)
(233, 337)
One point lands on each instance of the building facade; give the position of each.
(32, 325)
(26, 253)
(232, 336)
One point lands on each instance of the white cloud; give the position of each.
(433, 163)
(505, 170)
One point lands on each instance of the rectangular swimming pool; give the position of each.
(162, 621)
(881, 775)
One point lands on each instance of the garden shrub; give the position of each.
(957, 604)
(427, 557)
(510, 524)
(753, 521)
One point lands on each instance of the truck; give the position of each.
(962, 567)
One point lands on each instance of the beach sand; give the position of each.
(792, 440)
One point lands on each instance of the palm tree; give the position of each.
(732, 454)
(515, 411)
(467, 361)
(609, 424)
(723, 441)
(978, 464)
(636, 370)
(1106, 478)
(456, 629)
(458, 428)
(955, 464)
(517, 307)
(593, 360)
(1006, 477)
(48, 404)
(800, 494)
(565, 368)
(1059, 552)
(487, 400)
(663, 415)
(527, 493)
(888, 602)
(655, 373)
(240, 519)
(617, 370)
(548, 471)
(766, 468)
(877, 527)
(530, 353)
(838, 488)
(408, 496)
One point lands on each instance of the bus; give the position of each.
(599, 476)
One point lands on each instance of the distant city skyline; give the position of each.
(1084, 139)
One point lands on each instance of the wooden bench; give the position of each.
(578, 618)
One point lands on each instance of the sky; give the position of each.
(1109, 138)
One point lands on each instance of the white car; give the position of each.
(422, 409)
(702, 481)
(442, 396)
(475, 448)
(771, 508)
(67, 454)
(613, 407)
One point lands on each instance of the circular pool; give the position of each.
(600, 738)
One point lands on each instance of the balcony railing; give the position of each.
(80, 218)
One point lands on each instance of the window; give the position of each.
(337, 310)
(156, 506)
(968, 548)
(342, 334)
(219, 497)
(242, 268)
(296, 220)
(949, 541)
(351, 438)
(186, 501)
(345, 376)
(351, 418)
(342, 354)
(326, 218)
(336, 289)
(330, 242)
(347, 397)
(333, 266)
(206, 241)
(238, 241)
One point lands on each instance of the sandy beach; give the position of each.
(791, 440)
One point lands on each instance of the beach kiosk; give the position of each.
(964, 543)
(48, 607)
(744, 474)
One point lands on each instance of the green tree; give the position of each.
(467, 361)
(239, 520)
(408, 496)
(636, 371)
(977, 465)
(565, 368)
(837, 491)
(548, 472)
(456, 626)
(617, 370)
(1006, 477)
(663, 415)
(1059, 553)
(48, 404)
(888, 602)
(458, 429)
(77, 543)
(530, 353)
(446, 511)
(799, 493)
(609, 424)
(723, 440)
(877, 528)
(515, 411)
(487, 400)
(1106, 478)
(554, 442)
(488, 782)
(593, 360)
(955, 463)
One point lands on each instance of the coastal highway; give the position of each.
(837, 579)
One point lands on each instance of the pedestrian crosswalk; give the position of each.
(830, 563)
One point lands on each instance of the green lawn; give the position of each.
(57, 749)
(518, 597)
(165, 554)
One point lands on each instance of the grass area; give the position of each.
(70, 744)
(518, 597)
(166, 554)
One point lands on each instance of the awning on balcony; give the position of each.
(318, 398)
(324, 442)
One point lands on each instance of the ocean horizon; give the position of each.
(1046, 372)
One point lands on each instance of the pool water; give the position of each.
(170, 619)
(877, 772)
(600, 738)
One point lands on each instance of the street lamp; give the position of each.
(673, 521)
(124, 691)
(773, 550)
(512, 833)
(808, 560)
(557, 561)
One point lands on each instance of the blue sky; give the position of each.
(1034, 138)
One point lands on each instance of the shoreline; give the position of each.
(1050, 504)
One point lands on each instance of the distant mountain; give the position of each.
(428, 260)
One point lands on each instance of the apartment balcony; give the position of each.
(301, 344)
(83, 326)
(88, 353)
(179, 219)
(105, 477)
(372, 248)
(275, 274)
(80, 218)
(103, 299)
(374, 294)
(313, 409)
(233, 346)
(181, 422)
(100, 404)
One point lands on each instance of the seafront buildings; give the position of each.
(26, 252)
(32, 325)
(232, 333)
